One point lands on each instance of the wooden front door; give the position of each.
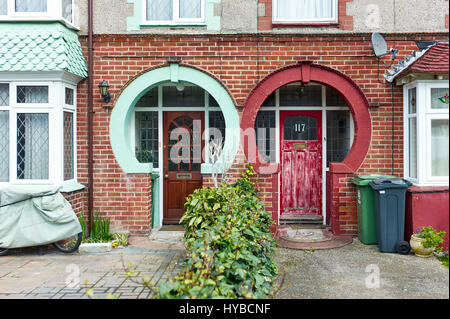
(301, 165)
(182, 160)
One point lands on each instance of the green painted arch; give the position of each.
(124, 107)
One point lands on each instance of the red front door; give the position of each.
(301, 165)
(182, 160)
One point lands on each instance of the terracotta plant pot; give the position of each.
(418, 249)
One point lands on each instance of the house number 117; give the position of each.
(299, 128)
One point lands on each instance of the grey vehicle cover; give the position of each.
(31, 218)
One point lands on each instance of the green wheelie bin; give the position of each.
(367, 231)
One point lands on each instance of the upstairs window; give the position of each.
(3, 7)
(30, 5)
(304, 11)
(159, 12)
(36, 9)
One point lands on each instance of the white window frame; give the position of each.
(71, 109)
(176, 20)
(424, 115)
(333, 19)
(54, 108)
(54, 12)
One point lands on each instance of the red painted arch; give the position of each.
(307, 71)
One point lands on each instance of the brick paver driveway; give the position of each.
(28, 274)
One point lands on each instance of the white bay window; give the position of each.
(304, 11)
(37, 133)
(167, 12)
(427, 132)
(36, 10)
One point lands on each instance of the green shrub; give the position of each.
(228, 244)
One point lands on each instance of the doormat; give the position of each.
(172, 228)
(309, 238)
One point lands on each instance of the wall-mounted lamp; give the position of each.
(180, 87)
(302, 89)
(104, 91)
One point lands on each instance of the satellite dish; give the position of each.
(379, 46)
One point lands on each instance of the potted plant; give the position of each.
(426, 240)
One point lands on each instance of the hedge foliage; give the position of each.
(228, 244)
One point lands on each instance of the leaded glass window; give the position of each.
(265, 135)
(334, 98)
(187, 96)
(298, 95)
(270, 101)
(147, 137)
(31, 5)
(190, 9)
(69, 96)
(216, 129)
(159, 10)
(149, 99)
(338, 135)
(4, 146)
(4, 94)
(32, 94)
(412, 101)
(173, 11)
(32, 146)
(68, 146)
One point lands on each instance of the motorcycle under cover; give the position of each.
(32, 218)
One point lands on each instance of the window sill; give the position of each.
(39, 19)
(428, 189)
(176, 26)
(305, 25)
(72, 187)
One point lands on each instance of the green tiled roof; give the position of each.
(40, 47)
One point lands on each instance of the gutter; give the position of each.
(90, 115)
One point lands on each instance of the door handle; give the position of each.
(166, 176)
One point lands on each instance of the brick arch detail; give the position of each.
(306, 72)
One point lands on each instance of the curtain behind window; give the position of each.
(31, 5)
(67, 10)
(304, 9)
(3, 7)
(439, 148)
(159, 10)
(190, 9)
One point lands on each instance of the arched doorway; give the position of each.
(153, 104)
(290, 149)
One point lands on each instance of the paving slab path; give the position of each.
(355, 271)
(26, 274)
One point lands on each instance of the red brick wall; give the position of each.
(78, 200)
(239, 62)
